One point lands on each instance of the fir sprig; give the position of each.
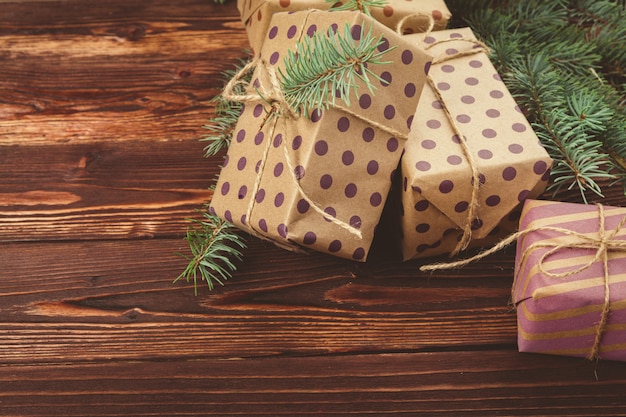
(226, 113)
(563, 62)
(214, 245)
(328, 65)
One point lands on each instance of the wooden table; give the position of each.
(101, 108)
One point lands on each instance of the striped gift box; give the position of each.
(570, 280)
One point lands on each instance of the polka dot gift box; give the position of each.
(320, 182)
(256, 14)
(569, 301)
(498, 152)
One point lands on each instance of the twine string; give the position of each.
(280, 109)
(603, 242)
(473, 207)
(431, 22)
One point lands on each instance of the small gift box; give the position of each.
(471, 156)
(570, 280)
(256, 14)
(320, 180)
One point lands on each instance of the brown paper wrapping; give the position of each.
(562, 288)
(256, 14)
(437, 175)
(321, 183)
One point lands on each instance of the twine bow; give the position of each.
(603, 242)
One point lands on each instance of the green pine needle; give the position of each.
(363, 6)
(563, 63)
(227, 113)
(326, 65)
(215, 245)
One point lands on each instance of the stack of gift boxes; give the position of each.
(439, 113)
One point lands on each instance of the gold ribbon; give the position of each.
(602, 242)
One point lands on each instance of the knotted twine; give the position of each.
(602, 242)
(275, 97)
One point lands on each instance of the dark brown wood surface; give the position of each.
(101, 108)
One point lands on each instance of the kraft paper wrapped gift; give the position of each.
(256, 14)
(465, 94)
(562, 288)
(321, 182)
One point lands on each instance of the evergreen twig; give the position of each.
(214, 245)
(563, 63)
(226, 114)
(325, 66)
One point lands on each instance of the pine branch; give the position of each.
(227, 113)
(327, 65)
(562, 62)
(214, 244)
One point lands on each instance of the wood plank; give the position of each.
(119, 302)
(490, 382)
(112, 72)
(102, 189)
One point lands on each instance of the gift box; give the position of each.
(256, 14)
(467, 130)
(320, 182)
(569, 302)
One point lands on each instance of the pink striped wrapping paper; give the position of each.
(561, 315)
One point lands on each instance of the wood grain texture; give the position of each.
(101, 108)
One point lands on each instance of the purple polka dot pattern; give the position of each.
(331, 212)
(243, 190)
(376, 199)
(292, 31)
(343, 124)
(386, 79)
(372, 167)
(240, 135)
(321, 147)
(429, 144)
(446, 186)
(260, 195)
(410, 90)
(326, 181)
(393, 144)
(348, 162)
(309, 238)
(407, 57)
(241, 164)
(390, 112)
(297, 142)
(365, 101)
(347, 158)
(278, 169)
(279, 199)
(334, 246)
(272, 32)
(437, 194)
(358, 254)
(368, 134)
(303, 206)
(350, 190)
